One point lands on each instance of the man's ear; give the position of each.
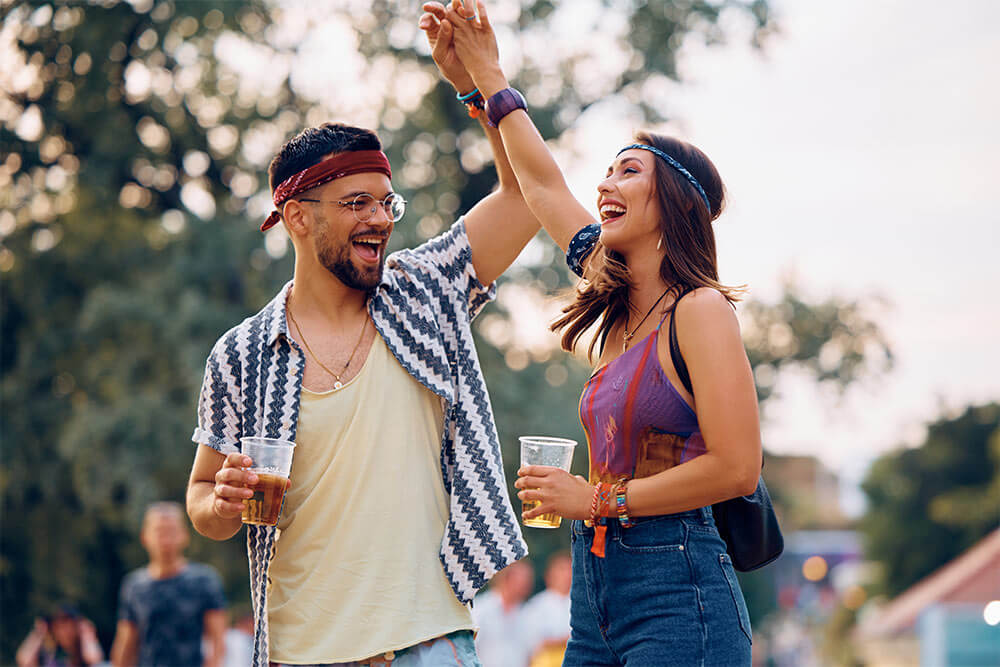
(295, 216)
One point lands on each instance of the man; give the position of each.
(546, 614)
(503, 635)
(397, 511)
(168, 607)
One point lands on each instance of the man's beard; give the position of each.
(337, 260)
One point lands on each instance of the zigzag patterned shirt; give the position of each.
(423, 309)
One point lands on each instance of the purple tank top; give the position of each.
(636, 422)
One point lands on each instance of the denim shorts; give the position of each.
(456, 649)
(664, 594)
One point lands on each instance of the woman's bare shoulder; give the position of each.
(705, 303)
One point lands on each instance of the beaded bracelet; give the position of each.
(473, 102)
(599, 506)
(622, 505)
(600, 503)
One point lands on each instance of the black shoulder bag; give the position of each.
(747, 524)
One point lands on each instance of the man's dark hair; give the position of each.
(311, 145)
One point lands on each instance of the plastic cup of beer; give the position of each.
(538, 450)
(272, 463)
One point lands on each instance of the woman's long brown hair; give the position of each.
(688, 238)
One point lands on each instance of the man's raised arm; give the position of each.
(501, 224)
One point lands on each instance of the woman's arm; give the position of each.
(31, 647)
(541, 181)
(89, 644)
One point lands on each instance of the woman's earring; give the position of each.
(659, 243)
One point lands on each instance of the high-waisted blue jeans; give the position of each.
(664, 594)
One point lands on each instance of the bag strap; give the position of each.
(675, 349)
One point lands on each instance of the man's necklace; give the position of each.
(627, 338)
(339, 383)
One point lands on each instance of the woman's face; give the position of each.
(627, 203)
(64, 630)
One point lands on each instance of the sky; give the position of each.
(860, 152)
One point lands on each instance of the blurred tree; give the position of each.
(117, 124)
(836, 341)
(928, 504)
(134, 137)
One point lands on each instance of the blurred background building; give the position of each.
(951, 617)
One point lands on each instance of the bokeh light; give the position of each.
(815, 568)
(991, 613)
(854, 597)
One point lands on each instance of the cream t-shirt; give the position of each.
(356, 569)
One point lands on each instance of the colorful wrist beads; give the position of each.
(622, 505)
(473, 102)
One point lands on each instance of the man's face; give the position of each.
(559, 576)
(519, 581)
(164, 534)
(350, 248)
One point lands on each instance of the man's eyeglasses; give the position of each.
(365, 205)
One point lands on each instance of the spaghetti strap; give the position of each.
(670, 310)
(665, 313)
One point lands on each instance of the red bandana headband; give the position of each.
(338, 166)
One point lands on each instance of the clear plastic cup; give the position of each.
(539, 450)
(272, 463)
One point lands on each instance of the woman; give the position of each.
(652, 583)
(63, 639)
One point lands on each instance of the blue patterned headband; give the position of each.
(676, 165)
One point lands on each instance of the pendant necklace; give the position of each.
(338, 382)
(627, 337)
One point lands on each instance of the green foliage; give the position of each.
(130, 195)
(109, 308)
(837, 341)
(930, 503)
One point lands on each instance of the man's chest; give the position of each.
(332, 361)
(333, 368)
(164, 604)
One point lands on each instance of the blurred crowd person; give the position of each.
(502, 639)
(167, 608)
(546, 615)
(63, 638)
(239, 640)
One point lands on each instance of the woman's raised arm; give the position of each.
(541, 181)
